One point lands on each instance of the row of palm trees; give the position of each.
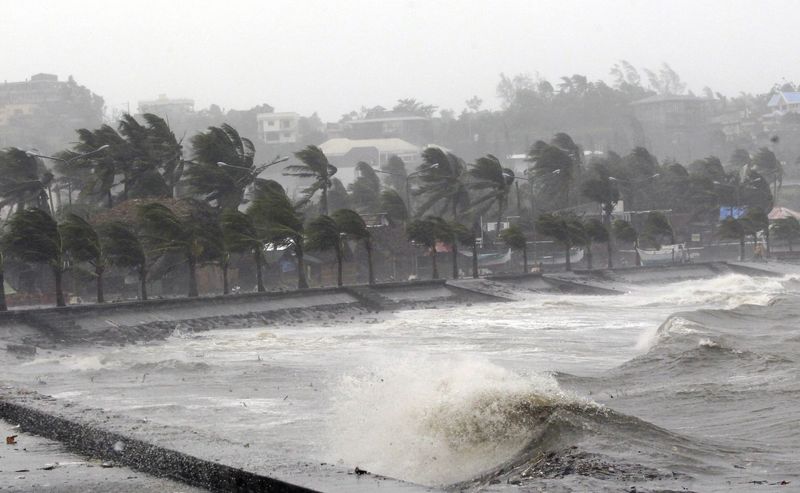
(446, 195)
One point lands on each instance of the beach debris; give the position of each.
(11, 440)
(106, 465)
(360, 471)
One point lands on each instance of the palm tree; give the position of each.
(395, 174)
(565, 229)
(273, 212)
(222, 167)
(165, 149)
(34, 236)
(623, 231)
(494, 181)
(124, 248)
(601, 189)
(515, 239)
(394, 206)
(241, 235)
(315, 165)
(322, 234)
(553, 171)
(733, 229)
(786, 228)
(84, 244)
(365, 191)
(106, 166)
(194, 236)
(427, 232)
(442, 182)
(24, 180)
(594, 232)
(656, 228)
(3, 304)
(443, 177)
(352, 225)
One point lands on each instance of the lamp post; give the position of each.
(254, 172)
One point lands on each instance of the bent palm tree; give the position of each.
(24, 181)
(351, 224)
(84, 244)
(241, 235)
(494, 181)
(193, 236)
(225, 184)
(273, 212)
(315, 165)
(323, 234)
(34, 236)
(515, 239)
(124, 248)
(427, 232)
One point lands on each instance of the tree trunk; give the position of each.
(110, 199)
(259, 276)
(370, 268)
(589, 256)
(435, 274)
(226, 289)
(455, 259)
(339, 267)
(143, 284)
(193, 278)
(636, 249)
(3, 305)
(323, 201)
(58, 273)
(474, 259)
(525, 259)
(100, 297)
(568, 260)
(609, 242)
(302, 283)
(741, 248)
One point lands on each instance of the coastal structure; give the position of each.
(278, 128)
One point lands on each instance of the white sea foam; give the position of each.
(435, 421)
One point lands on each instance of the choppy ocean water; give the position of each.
(683, 386)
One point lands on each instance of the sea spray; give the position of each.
(436, 420)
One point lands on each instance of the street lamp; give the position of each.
(633, 182)
(258, 169)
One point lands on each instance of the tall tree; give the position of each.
(223, 166)
(442, 183)
(394, 207)
(273, 212)
(767, 165)
(84, 244)
(494, 183)
(34, 236)
(24, 181)
(315, 165)
(553, 171)
(515, 239)
(733, 229)
(594, 232)
(194, 235)
(352, 225)
(625, 232)
(786, 229)
(395, 175)
(365, 190)
(599, 188)
(323, 234)
(124, 248)
(427, 232)
(565, 229)
(242, 236)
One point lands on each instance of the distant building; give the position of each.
(675, 126)
(389, 124)
(785, 102)
(44, 112)
(167, 108)
(346, 153)
(278, 128)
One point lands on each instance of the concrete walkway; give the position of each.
(42, 465)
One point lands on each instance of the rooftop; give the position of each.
(788, 97)
(341, 146)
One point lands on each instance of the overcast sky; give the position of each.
(333, 56)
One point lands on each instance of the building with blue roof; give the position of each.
(785, 102)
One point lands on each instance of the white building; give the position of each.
(785, 102)
(167, 107)
(278, 128)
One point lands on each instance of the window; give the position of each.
(271, 123)
(286, 123)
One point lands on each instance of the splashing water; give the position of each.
(436, 421)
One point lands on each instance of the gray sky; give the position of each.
(336, 55)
